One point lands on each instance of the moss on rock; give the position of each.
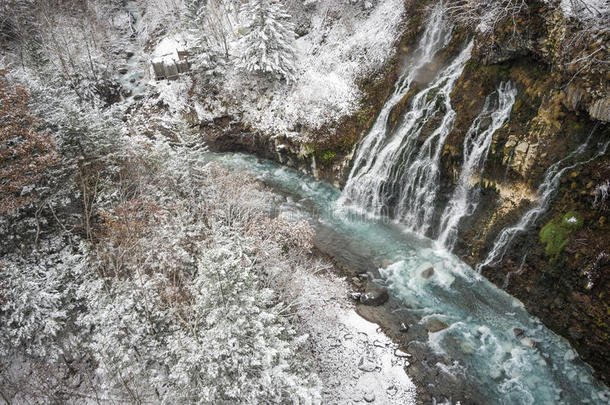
(555, 234)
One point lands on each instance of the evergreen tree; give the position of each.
(268, 45)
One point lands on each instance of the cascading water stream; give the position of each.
(417, 175)
(389, 164)
(477, 143)
(436, 36)
(401, 168)
(398, 164)
(546, 192)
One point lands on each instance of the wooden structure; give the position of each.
(170, 69)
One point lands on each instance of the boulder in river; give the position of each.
(355, 295)
(518, 332)
(429, 272)
(436, 325)
(528, 342)
(374, 297)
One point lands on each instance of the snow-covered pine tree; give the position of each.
(268, 44)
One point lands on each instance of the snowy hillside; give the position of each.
(340, 43)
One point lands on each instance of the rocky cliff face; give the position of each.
(564, 282)
(561, 279)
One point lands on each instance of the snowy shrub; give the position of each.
(485, 15)
(26, 152)
(39, 301)
(247, 352)
(181, 313)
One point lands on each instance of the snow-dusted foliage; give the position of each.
(186, 317)
(485, 15)
(39, 300)
(173, 300)
(594, 11)
(338, 45)
(210, 24)
(267, 46)
(73, 42)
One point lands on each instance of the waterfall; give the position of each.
(545, 192)
(477, 142)
(401, 169)
(417, 169)
(436, 36)
(377, 165)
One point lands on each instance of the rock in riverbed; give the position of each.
(528, 342)
(429, 272)
(366, 365)
(374, 297)
(436, 325)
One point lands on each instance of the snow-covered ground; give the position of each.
(356, 361)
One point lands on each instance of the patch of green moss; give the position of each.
(327, 156)
(555, 234)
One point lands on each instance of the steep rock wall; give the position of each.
(556, 109)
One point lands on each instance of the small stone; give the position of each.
(391, 391)
(122, 70)
(518, 332)
(522, 148)
(404, 328)
(369, 396)
(511, 143)
(366, 365)
(400, 353)
(375, 297)
(335, 343)
(355, 296)
(429, 272)
(528, 342)
(570, 355)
